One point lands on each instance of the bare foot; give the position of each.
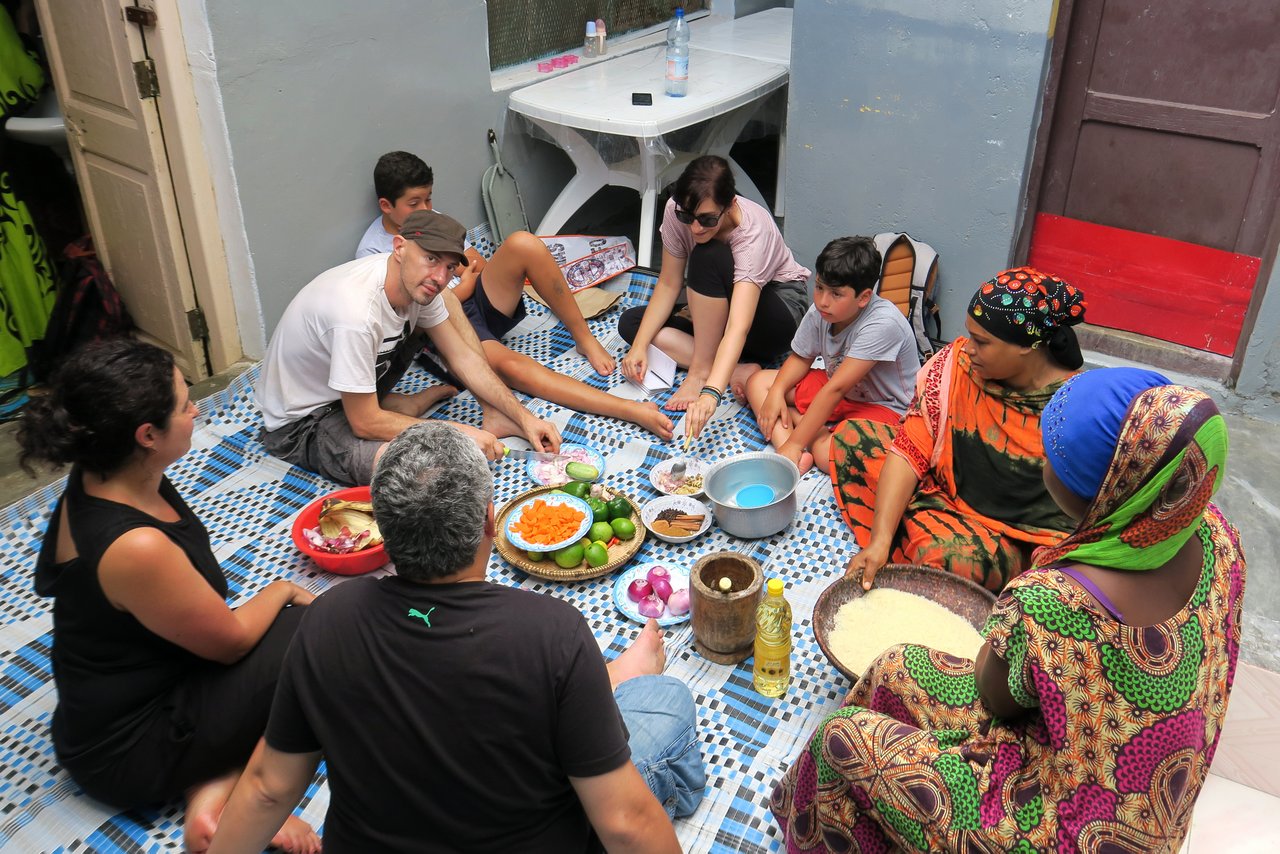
(806, 462)
(420, 401)
(738, 379)
(645, 657)
(686, 394)
(204, 807)
(598, 356)
(499, 424)
(650, 417)
(296, 837)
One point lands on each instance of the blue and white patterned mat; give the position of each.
(248, 500)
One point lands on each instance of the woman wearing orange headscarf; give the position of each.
(958, 484)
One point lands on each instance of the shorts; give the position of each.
(322, 441)
(661, 719)
(489, 323)
(807, 389)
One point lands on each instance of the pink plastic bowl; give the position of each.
(355, 563)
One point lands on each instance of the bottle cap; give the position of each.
(775, 586)
(591, 28)
(600, 25)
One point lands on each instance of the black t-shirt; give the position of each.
(110, 670)
(450, 716)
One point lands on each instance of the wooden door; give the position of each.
(101, 73)
(1159, 176)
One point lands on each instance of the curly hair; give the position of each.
(97, 400)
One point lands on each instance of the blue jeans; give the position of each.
(660, 716)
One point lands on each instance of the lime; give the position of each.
(569, 556)
(597, 554)
(624, 528)
(601, 531)
(536, 556)
(584, 542)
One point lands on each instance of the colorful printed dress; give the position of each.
(981, 506)
(1122, 727)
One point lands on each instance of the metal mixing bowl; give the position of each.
(726, 478)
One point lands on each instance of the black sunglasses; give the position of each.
(704, 220)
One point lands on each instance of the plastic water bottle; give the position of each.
(678, 55)
(771, 671)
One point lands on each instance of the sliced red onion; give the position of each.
(678, 602)
(651, 606)
(638, 590)
(661, 587)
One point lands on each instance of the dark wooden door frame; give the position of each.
(1035, 178)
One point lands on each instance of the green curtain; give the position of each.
(27, 285)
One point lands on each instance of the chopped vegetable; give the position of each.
(545, 524)
(344, 527)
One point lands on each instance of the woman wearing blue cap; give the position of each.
(1093, 711)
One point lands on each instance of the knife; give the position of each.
(540, 456)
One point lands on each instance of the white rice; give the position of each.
(881, 618)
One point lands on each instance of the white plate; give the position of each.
(550, 498)
(630, 610)
(552, 474)
(684, 504)
(692, 467)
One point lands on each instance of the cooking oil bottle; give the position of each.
(772, 670)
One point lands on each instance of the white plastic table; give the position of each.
(725, 89)
(763, 35)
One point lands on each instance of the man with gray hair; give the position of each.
(455, 714)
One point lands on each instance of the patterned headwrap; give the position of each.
(1029, 308)
(1169, 458)
(1081, 423)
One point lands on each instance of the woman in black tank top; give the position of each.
(162, 688)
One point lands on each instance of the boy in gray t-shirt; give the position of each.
(868, 352)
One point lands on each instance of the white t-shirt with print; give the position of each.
(337, 335)
(878, 334)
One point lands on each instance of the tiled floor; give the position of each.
(1239, 808)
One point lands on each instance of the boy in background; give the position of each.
(490, 296)
(868, 352)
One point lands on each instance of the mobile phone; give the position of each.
(642, 99)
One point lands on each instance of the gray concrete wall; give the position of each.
(915, 115)
(314, 94)
(1259, 380)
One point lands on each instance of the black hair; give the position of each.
(849, 262)
(706, 177)
(97, 400)
(399, 171)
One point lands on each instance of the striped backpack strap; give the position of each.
(908, 277)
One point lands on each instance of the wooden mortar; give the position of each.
(724, 624)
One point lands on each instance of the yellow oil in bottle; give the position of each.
(771, 672)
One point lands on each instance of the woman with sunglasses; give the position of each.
(746, 292)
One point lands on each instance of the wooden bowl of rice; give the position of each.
(958, 595)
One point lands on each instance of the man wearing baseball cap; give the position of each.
(346, 339)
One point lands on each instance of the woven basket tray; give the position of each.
(547, 568)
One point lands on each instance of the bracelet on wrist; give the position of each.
(714, 392)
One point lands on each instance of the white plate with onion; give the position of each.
(666, 483)
(634, 593)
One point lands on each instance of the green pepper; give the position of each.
(619, 508)
(599, 509)
(577, 488)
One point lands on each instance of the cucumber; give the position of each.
(582, 471)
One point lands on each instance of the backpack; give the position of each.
(908, 275)
(87, 308)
